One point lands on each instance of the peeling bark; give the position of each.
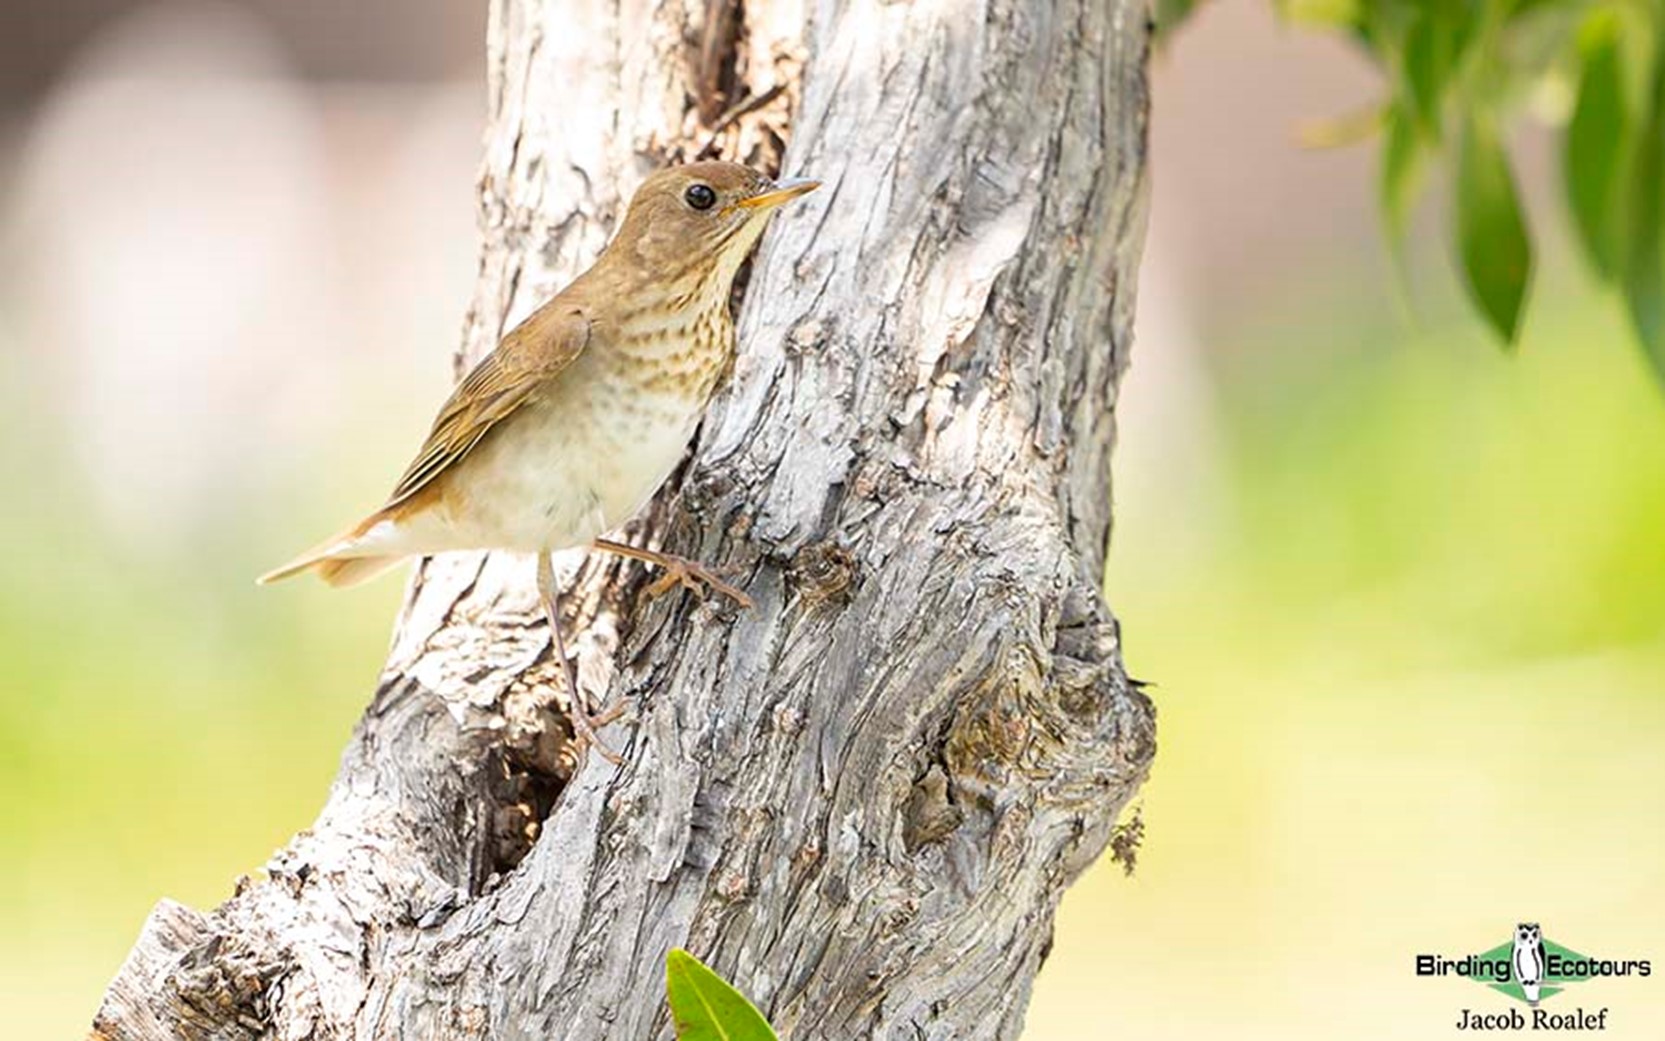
(862, 800)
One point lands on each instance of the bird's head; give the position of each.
(700, 219)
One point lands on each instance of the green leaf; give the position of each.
(1402, 160)
(706, 1008)
(1170, 14)
(1644, 281)
(1430, 56)
(1402, 156)
(1594, 159)
(1343, 13)
(1491, 229)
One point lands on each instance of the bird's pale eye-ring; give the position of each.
(700, 196)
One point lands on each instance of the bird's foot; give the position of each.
(585, 727)
(698, 579)
(680, 572)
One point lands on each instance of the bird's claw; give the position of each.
(584, 727)
(697, 578)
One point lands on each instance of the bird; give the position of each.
(573, 421)
(1528, 959)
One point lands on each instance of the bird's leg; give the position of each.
(578, 706)
(679, 571)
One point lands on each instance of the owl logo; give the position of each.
(1529, 960)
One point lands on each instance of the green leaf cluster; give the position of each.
(1457, 71)
(706, 1008)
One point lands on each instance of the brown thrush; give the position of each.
(570, 425)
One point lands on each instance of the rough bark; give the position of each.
(863, 799)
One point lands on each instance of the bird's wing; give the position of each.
(532, 354)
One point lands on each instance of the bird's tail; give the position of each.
(342, 561)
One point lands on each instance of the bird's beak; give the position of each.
(784, 190)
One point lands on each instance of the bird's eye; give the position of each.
(700, 196)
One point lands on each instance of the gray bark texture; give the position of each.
(863, 799)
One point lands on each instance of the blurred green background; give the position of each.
(1403, 597)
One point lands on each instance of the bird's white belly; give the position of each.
(553, 481)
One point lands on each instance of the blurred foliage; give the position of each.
(1423, 618)
(164, 725)
(1456, 71)
(706, 1007)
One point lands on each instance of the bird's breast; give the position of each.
(671, 350)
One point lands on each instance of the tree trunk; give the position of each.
(863, 799)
